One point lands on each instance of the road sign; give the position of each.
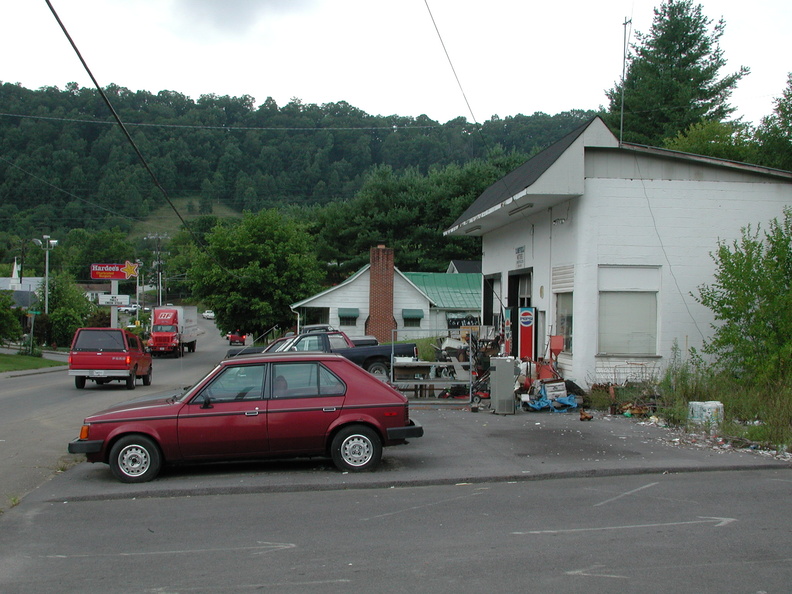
(113, 299)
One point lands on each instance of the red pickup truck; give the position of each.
(106, 354)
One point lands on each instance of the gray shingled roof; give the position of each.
(522, 177)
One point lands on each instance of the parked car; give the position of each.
(208, 315)
(132, 308)
(374, 358)
(106, 354)
(263, 406)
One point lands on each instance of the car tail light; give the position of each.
(84, 431)
(129, 359)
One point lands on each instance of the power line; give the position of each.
(389, 128)
(139, 154)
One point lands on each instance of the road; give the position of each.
(42, 412)
(694, 532)
(483, 502)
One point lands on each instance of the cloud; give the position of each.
(228, 16)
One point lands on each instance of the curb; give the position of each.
(408, 483)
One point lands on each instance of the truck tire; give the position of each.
(135, 459)
(147, 377)
(79, 381)
(130, 380)
(378, 368)
(356, 448)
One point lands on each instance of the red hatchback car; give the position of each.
(267, 405)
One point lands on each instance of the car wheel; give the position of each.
(135, 459)
(356, 449)
(130, 380)
(79, 382)
(379, 368)
(147, 377)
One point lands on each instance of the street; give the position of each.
(699, 532)
(482, 502)
(42, 412)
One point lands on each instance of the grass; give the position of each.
(25, 362)
(165, 220)
(759, 413)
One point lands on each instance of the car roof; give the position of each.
(286, 356)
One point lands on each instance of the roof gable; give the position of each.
(552, 175)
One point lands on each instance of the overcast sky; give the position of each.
(382, 56)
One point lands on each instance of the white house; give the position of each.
(380, 299)
(609, 244)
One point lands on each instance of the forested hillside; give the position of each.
(65, 164)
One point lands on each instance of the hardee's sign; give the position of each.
(114, 271)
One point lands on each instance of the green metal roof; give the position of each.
(449, 291)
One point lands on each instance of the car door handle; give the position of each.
(251, 413)
(329, 409)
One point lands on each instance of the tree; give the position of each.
(775, 132)
(672, 76)
(751, 298)
(10, 328)
(64, 293)
(63, 324)
(252, 271)
(723, 140)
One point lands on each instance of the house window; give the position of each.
(347, 316)
(564, 319)
(627, 323)
(412, 317)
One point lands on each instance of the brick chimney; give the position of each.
(381, 321)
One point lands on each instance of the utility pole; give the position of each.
(624, 76)
(47, 245)
(158, 237)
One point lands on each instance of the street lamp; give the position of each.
(46, 245)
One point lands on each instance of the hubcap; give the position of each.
(356, 450)
(133, 460)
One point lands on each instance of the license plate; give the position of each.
(98, 372)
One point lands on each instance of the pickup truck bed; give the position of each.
(376, 359)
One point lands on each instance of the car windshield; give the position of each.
(188, 390)
(99, 340)
(285, 346)
(163, 328)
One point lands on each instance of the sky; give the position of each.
(382, 56)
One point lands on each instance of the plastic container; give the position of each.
(705, 413)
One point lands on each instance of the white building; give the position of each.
(379, 300)
(609, 244)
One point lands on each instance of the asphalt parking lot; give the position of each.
(458, 446)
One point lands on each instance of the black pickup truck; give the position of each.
(375, 358)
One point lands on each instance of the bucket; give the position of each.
(705, 413)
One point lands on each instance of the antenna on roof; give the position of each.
(624, 76)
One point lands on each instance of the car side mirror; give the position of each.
(207, 402)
